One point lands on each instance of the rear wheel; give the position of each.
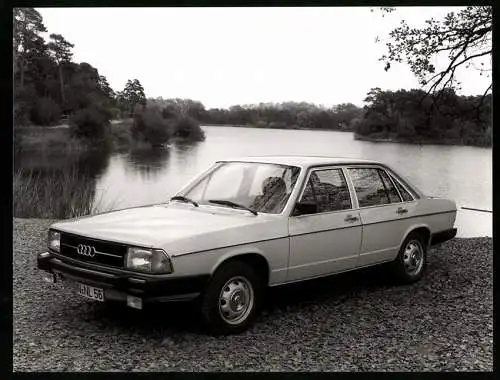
(411, 262)
(230, 303)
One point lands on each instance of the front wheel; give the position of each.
(230, 303)
(411, 261)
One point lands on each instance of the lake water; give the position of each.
(149, 176)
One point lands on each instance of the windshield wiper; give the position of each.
(232, 204)
(184, 199)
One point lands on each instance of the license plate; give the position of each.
(96, 294)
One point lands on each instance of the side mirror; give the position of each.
(305, 208)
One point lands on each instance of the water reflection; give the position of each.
(148, 163)
(92, 163)
(186, 155)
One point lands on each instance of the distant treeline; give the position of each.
(409, 116)
(406, 116)
(289, 115)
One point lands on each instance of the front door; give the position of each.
(328, 240)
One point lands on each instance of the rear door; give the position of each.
(327, 241)
(385, 217)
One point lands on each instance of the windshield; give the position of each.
(258, 186)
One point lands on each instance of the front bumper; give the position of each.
(118, 284)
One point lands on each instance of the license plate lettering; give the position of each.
(91, 292)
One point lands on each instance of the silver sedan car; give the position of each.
(248, 224)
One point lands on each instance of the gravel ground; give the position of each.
(352, 322)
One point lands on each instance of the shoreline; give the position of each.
(53, 138)
(285, 129)
(417, 141)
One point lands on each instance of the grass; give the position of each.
(54, 194)
(45, 140)
(59, 140)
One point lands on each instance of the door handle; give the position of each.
(350, 218)
(401, 211)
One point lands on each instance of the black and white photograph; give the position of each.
(252, 189)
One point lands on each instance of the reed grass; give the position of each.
(54, 194)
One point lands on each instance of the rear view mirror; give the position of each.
(305, 208)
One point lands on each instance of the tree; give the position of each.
(465, 36)
(60, 50)
(82, 87)
(105, 87)
(28, 25)
(45, 80)
(107, 91)
(132, 95)
(346, 112)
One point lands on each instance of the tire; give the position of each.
(231, 301)
(411, 262)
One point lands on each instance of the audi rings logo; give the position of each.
(85, 250)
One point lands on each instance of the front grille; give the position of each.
(106, 253)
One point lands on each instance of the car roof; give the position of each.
(301, 161)
(312, 161)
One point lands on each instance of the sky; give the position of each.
(228, 56)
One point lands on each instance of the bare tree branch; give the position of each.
(465, 36)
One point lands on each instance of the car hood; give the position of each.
(178, 228)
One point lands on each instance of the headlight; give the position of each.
(54, 241)
(148, 260)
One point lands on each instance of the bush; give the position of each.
(487, 137)
(115, 113)
(21, 113)
(24, 101)
(45, 112)
(119, 135)
(90, 123)
(169, 112)
(375, 125)
(188, 128)
(151, 127)
(362, 127)
(277, 125)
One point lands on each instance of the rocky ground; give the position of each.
(351, 322)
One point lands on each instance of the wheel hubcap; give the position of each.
(236, 300)
(413, 257)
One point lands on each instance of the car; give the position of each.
(248, 224)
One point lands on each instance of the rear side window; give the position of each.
(407, 197)
(372, 188)
(389, 187)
